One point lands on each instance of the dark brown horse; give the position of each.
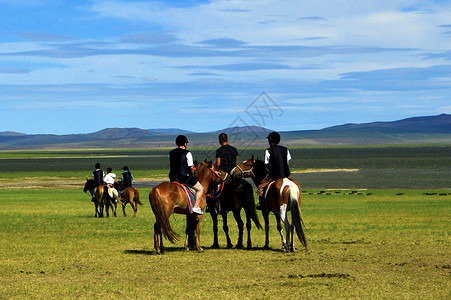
(168, 198)
(282, 195)
(128, 195)
(101, 198)
(237, 194)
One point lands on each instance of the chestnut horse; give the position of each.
(237, 194)
(282, 195)
(101, 198)
(168, 198)
(128, 195)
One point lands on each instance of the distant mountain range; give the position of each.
(416, 130)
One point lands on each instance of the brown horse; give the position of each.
(282, 195)
(128, 195)
(237, 194)
(101, 198)
(168, 198)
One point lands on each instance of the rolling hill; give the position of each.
(415, 130)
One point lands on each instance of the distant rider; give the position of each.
(110, 179)
(126, 178)
(98, 176)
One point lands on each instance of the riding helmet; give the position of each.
(181, 140)
(273, 137)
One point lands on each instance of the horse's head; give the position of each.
(244, 169)
(205, 169)
(260, 170)
(219, 175)
(89, 185)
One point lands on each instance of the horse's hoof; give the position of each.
(265, 247)
(158, 252)
(214, 246)
(249, 246)
(239, 246)
(200, 249)
(229, 246)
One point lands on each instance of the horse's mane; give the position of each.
(259, 166)
(202, 167)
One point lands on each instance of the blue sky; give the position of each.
(82, 66)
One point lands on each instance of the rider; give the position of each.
(127, 178)
(98, 176)
(182, 169)
(226, 158)
(226, 155)
(276, 159)
(110, 178)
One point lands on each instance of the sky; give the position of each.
(82, 66)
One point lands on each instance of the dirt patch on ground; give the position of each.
(324, 170)
(61, 182)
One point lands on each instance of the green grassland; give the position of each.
(381, 232)
(375, 245)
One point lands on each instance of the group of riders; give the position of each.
(183, 167)
(110, 179)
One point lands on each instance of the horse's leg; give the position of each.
(156, 233)
(239, 221)
(292, 249)
(248, 227)
(107, 209)
(188, 230)
(199, 221)
(265, 214)
(114, 202)
(123, 209)
(225, 227)
(214, 218)
(134, 206)
(284, 218)
(101, 205)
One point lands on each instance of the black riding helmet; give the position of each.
(181, 140)
(274, 137)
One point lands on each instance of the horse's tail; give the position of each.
(159, 211)
(249, 203)
(137, 198)
(106, 194)
(295, 194)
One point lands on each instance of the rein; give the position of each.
(221, 185)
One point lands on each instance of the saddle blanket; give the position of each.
(286, 182)
(190, 195)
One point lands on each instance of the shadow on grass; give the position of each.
(152, 252)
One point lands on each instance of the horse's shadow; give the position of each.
(152, 252)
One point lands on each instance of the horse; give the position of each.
(282, 195)
(128, 195)
(236, 195)
(101, 198)
(168, 198)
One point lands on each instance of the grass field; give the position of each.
(381, 245)
(367, 240)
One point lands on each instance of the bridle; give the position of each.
(243, 172)
(221, 185)
(216, 173)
